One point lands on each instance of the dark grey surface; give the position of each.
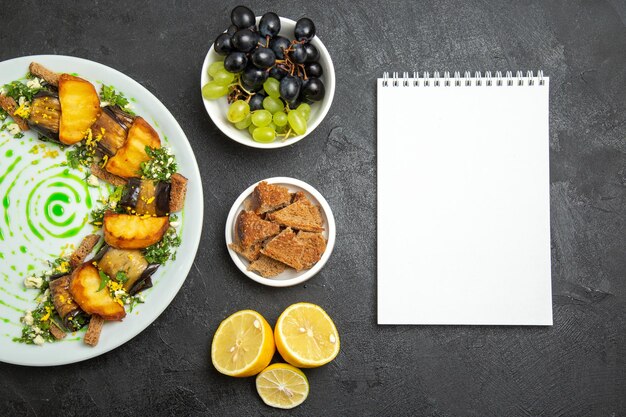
(575, 368)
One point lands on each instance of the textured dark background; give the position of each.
(575, 368)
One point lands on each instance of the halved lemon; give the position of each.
(243, 344)
(282, 386)
(306, 336)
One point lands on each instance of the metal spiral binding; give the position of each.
(479, 79)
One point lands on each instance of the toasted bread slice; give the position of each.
(299, 251)
(267, 267)
(9, 105)
(286, 249)
(84, 249)
(105, 175)
(178, 191)
(269, 197)
(298, 196)
(314, 247)
(301, 215)
(93, 331)
(40, 71)
(252, 229)
(251, 252)
(56, 331)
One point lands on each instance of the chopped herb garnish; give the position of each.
(18, 135)
(97, 215)
(121, 277)
(114, 98)
(80, 155)
(104, 279)
(16, 89)
(161, 165)
(3, 114)
(162, 251)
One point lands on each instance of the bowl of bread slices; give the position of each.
(280, 232)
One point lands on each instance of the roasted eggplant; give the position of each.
(147, 197)
(85, 289)
(45, 114)
(127, 231)
(131, 262)
(71, 314)
(126, 163)
(112, 128)
(80, 108)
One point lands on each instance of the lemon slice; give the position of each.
(306, 336)
(243, 344)
(282, 386)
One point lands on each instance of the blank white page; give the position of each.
(464, 204)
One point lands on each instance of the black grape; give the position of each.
(314, 69)
(312, 54)
(245, 40)
(278, 43)
(231, 30)
(223, 44)
(263, 57)
(256, 102)
(235, 62)
(269, 25)
(313, 89)
(298, 55)
(242, 17)
(278, 73)
(290, 87)
(253, 78)
(304, 30)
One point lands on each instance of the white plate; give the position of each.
(217, 109)
(289, 277)
(24, 250)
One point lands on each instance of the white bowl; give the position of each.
(289, 277)
(217, 109)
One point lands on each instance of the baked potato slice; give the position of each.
(127, 231)
(127, 161)
(84, 286)
(80, 108)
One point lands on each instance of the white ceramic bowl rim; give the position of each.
(242, 136)
(305, 275)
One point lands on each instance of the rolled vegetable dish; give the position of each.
(135, 226)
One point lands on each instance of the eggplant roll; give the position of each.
(64, 304)
(112, 128)
(131, 262)
(45, 114)
(147, 197)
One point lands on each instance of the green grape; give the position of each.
(211, 90)
(244, 123)
(272, 104)
(251, 129)
(297, 122)
(305, 110)
(264, 134)
(261, 118)
(215, 67)
(272, 87)
(280, 118)
(282, 129)
(223, 77)
(272, 125)
(238, 111)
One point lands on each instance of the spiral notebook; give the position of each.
(463, 199)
